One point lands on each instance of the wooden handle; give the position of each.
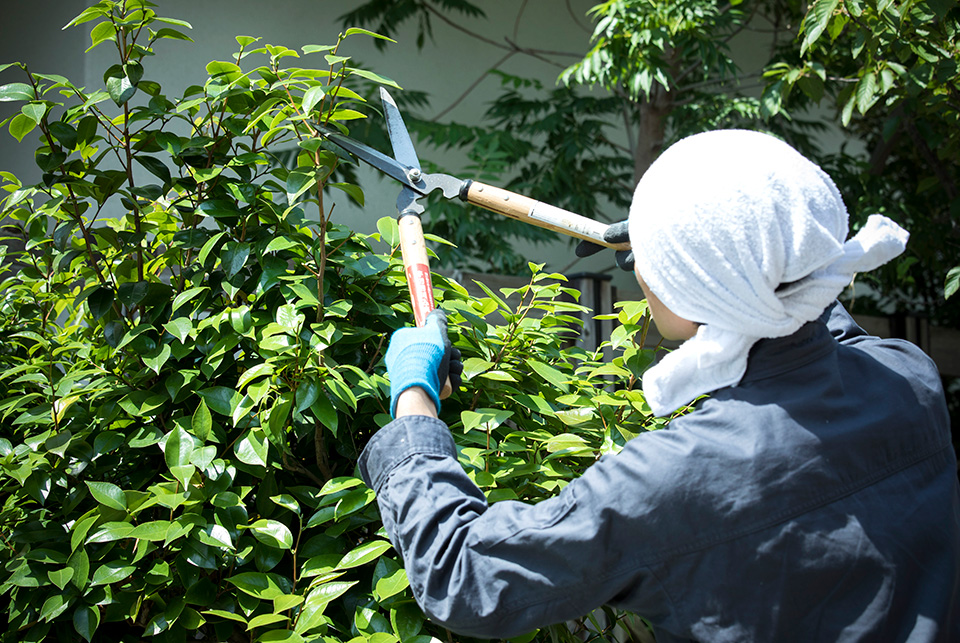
(416, 264)
(523, 208)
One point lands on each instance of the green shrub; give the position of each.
(192, 362)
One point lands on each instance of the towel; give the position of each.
(737, 231)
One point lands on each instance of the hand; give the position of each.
(615, 233)
(423, 357)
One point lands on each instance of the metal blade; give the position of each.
(377, 159)
(402, 145)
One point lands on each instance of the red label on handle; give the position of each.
(421, 291)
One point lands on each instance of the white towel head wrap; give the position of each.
(739, 232)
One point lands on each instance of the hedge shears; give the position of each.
(405, 168)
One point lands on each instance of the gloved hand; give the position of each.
(423, 357)
(615, 233)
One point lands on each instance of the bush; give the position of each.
(189, 383)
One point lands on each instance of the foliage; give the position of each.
(193, 361)
(893, 73)
(890, 69)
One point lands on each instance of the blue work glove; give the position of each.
(423, 357)
(616, 233)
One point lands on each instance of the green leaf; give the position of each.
(179, 328)
(101, 33)
(233, 257)
(60, 577)
(54, 607)
(260, 585)
(221, 399)
(156, 362)
(86, 619)
(202, 422)
(153, 530)
(34, 111)
(107, 494)
(178, 447)
(355, 192)
(20, 126)
(265, 619)
(110, 531)
(311, 615)
(252, 449)
(311, 97)
(337, 485)
(484, 419)
(377, 78)
(186, 296)
(16, 91)
(368, 551)
(298, 182)
(816, 21)
(952, 282)
(121, 81)
(356, 30)
(113, 572)
(100, 301)
(253, 373)
(390, 583)
(272, 533)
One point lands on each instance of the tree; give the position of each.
(889, 69)
(187, 386)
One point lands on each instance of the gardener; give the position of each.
(811, 496)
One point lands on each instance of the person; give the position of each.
(810, 494)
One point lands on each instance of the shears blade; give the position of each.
(377, 159)
(403, 150)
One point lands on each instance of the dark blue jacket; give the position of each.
(815, 501)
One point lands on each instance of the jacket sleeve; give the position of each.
(501, 570)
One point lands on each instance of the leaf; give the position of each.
(952, 283)
(20, 126)
(16, 91)
(355, 192)
(60, 577)
(391, 583)
(233, 257)
(484, 419)
(178, 447)
(336, 485)
(368, 551)
(34, 112)
(179, 328)
(202, 422)
(221, 399)
(261, 585)
(86, 619)
(254, 372)
(311, 97)
(121, 81)
(100, 301)
(107, 494)
(156, 362)
(272, 533)
(820, 14)
(357, 30)
(186, 296)
(298, 182)
(113, 572)
(311, 615)
(550, 374)
(252, 449)
(377, 78)
(153, 530)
